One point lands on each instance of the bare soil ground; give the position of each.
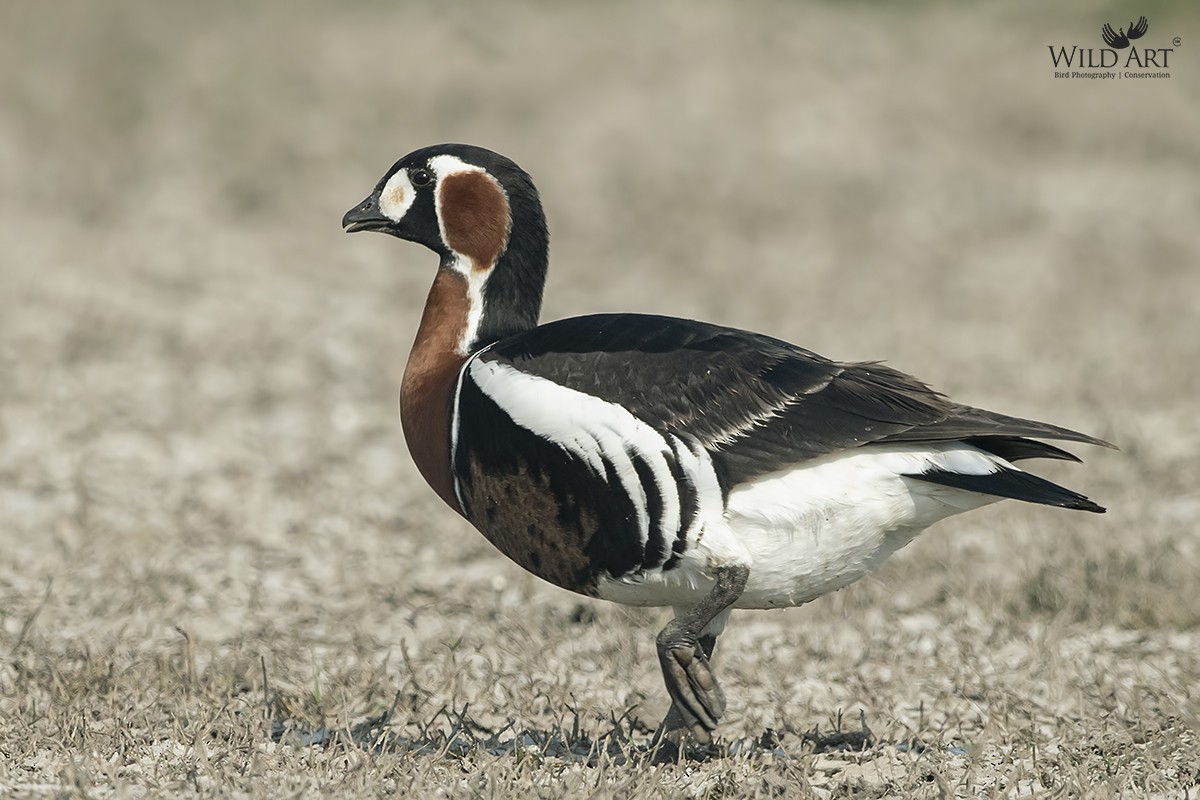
(220, 574)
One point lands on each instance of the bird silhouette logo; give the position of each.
(1119, 39)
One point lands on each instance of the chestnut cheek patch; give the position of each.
(476, 217)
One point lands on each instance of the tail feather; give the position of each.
(971, 423)
(1015, 448)
(1013, 483)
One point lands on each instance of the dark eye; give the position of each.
(420, 177)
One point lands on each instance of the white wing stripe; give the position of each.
(697, 465)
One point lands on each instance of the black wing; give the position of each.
(757, 404)
(1138, 29)
(1112, 38)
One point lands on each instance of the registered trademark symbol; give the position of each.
(1177, 41)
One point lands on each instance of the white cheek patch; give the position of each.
(397, 196)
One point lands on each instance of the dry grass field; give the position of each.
(221, 575)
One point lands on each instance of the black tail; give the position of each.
(1015, 484)
(1015, 448)
(970, 423)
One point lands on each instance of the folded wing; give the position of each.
(759, 404)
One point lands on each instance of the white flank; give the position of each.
(816, 527)
(589, 428)
(828, 522)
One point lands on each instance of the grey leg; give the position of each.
(684, 650)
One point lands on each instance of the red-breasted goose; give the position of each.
(658, 461)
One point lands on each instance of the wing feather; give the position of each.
(755, 403)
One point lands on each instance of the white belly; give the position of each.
(817, 527)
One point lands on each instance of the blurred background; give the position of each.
(198, 370)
